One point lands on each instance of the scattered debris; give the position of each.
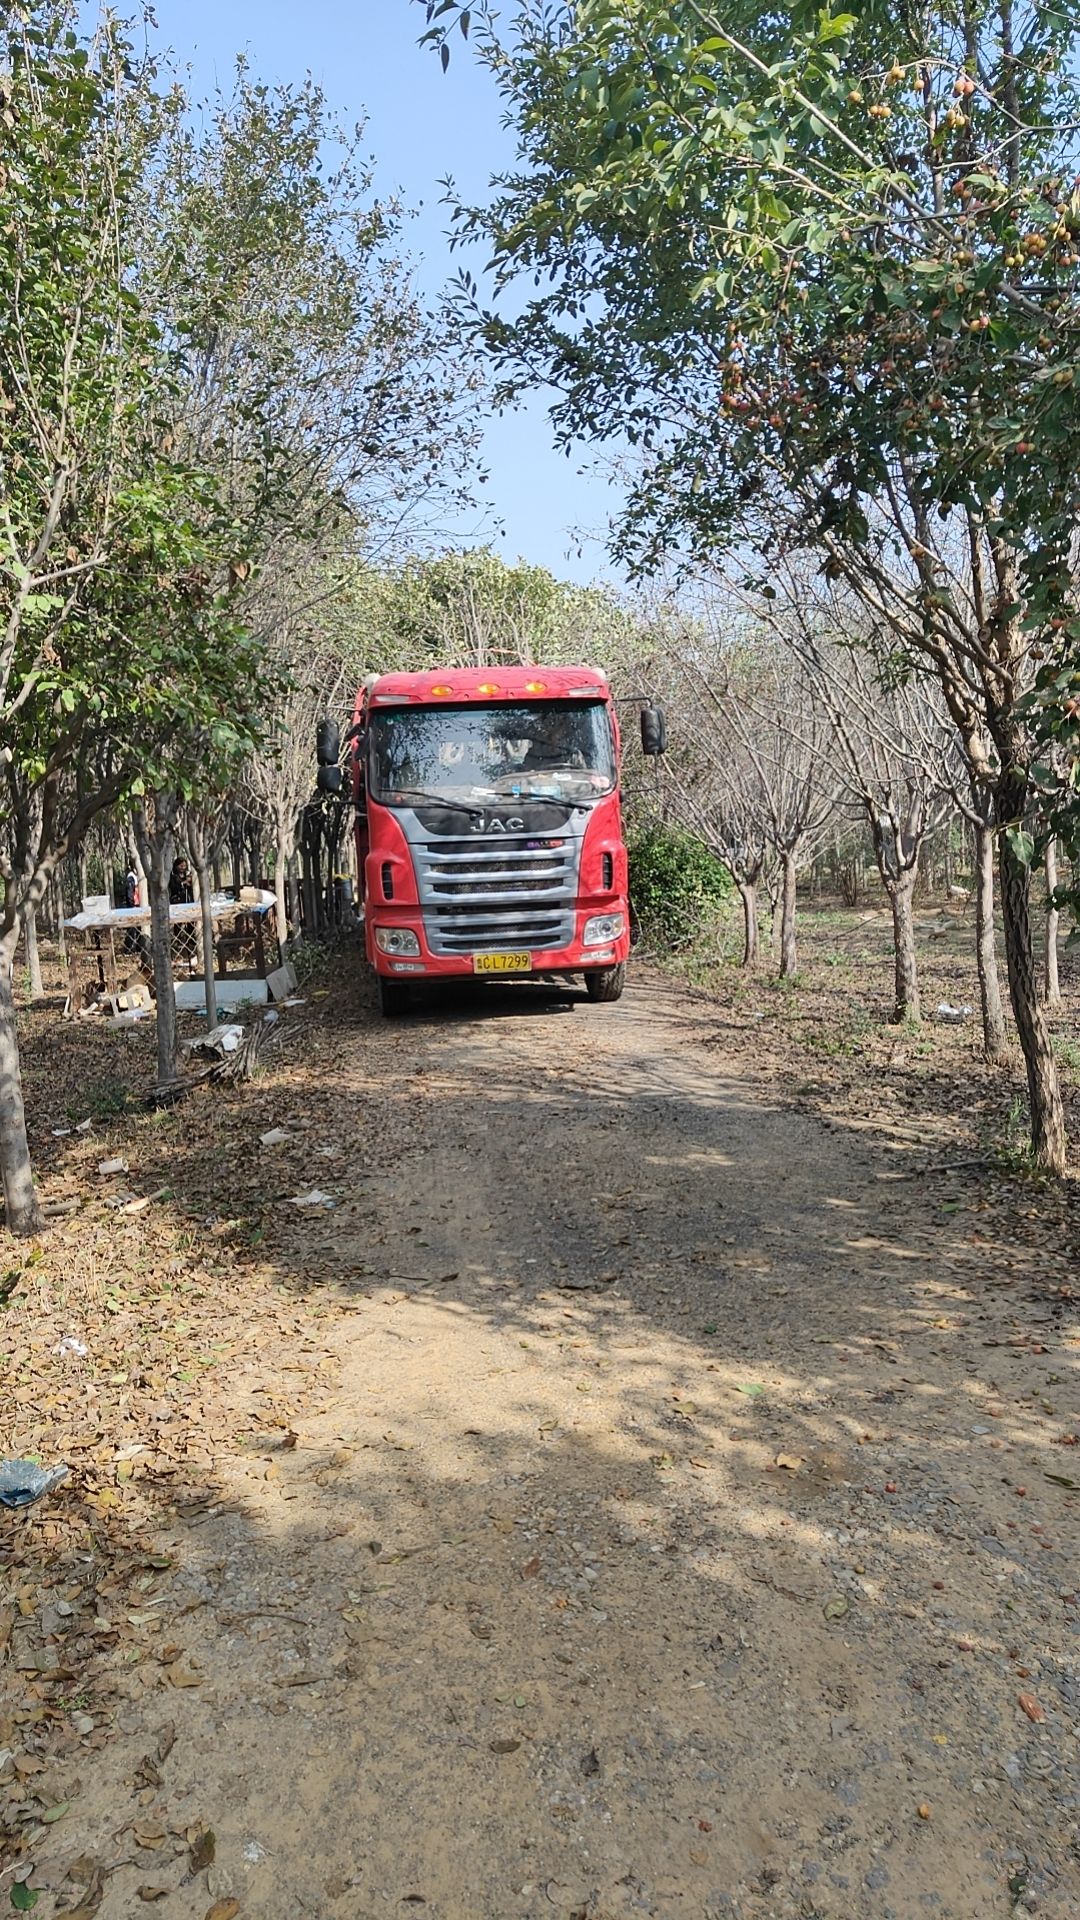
(282, 982)
(116, 1165)
(950, 1016)
(230, 1050)
(23, 1481)
(202, 1850)
(219, 1040)
(136, 1000)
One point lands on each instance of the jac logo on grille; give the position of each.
(485, 823)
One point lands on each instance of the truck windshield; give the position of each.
(557, 750)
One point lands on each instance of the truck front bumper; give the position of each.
(576, 958)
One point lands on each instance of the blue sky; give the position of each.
(422, 125)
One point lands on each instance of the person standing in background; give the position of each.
(132, 897)
(181, 894)
(181, 889)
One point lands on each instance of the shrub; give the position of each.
(676, 886)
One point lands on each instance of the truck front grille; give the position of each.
(487, 894)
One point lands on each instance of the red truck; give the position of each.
(488, 826)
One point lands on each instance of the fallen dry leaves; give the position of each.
(137, 1345)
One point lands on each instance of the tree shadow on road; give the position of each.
(652, 1542)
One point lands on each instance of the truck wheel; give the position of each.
(607, 983)
(395, 998)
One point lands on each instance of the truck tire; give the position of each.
(606, 983)
(395, 997)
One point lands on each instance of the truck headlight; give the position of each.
(396, 940)
(602, 929)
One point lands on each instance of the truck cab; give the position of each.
(488, 828)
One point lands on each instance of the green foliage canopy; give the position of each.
(471, 607)
(824, 255)
(118, 639)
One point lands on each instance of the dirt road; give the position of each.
(663, 1529)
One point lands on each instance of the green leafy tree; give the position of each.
(313, 614)
(821, 270)
(308, 374)
(677, 886)
(471, 608)
(117, 638)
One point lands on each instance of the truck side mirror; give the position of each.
(653, 730)
(328, 743)
(329, 779)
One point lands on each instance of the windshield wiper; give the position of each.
(436, 800)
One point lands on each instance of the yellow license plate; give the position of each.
(502, 962)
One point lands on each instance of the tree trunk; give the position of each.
(164, 985)
(1053, 920)
(311, 856)
(995, 1044)
(748, 895)
(789, 958)
(281, 910)
(22, 1214)
(206, 918)
(906, 1004)
(157, 853)
(33, 955)
(282, 850)
(61, 936)
(334, 829)
(1044, 1089)
(84, 877)
(309, 890)
(294, 893)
